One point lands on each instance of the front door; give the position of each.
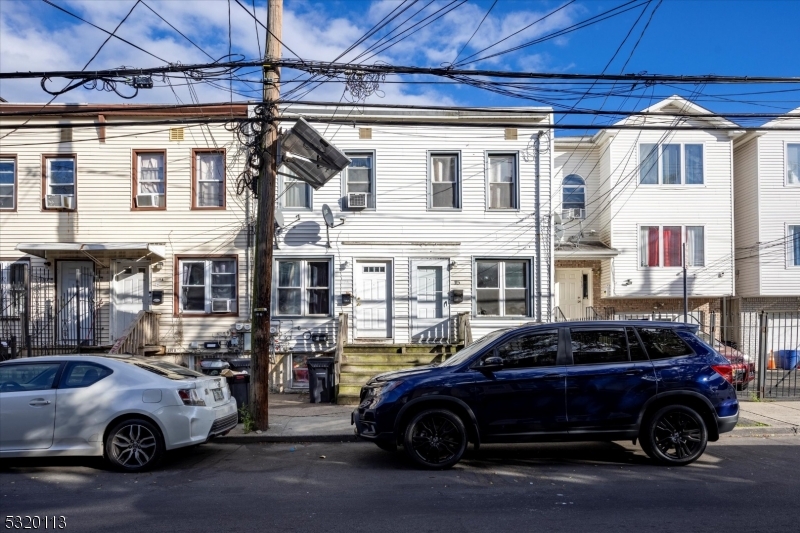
(526, 396)
(372, 300)
(573, 292)
(27, 405)
(76, 302)
(129, 293)
(430, 310)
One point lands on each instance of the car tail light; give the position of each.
(726, 371)
(190, 397)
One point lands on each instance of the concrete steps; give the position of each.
(360, 362)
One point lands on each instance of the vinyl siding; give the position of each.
(585, 162)
(746, 209)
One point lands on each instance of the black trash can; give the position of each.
(320, 379)
(240, 383)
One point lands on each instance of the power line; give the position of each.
(476, 31)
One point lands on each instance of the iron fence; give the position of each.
(40, 317)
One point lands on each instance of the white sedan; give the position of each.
(128, 409)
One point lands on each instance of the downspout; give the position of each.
(538, 231)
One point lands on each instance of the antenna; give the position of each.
(327, 215)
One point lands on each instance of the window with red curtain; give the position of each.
(672, 246)
(648, 246)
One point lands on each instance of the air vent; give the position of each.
(365, 133)
(357, 200)
(176, 134)
(66, 135)
(511, 134)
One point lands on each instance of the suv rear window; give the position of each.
(663, 343)
(167, 370)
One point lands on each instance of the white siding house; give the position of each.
(647, 192)
(767, 178)
(436, 216)
(108, 226)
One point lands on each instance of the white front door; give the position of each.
(430, 310)
(372, 300)
(129, 294)
(573, 292)
(76, 298)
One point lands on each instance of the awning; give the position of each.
(584, 250)
(133, 250)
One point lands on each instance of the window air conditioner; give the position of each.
(60, 201)
(223, 306)
(573, 214)
(357, 200)
(149, 200)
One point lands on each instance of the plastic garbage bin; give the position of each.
(320, 379)
(787, 359)
(239, 383)
(212, 367)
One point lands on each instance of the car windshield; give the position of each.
(473, 348)
(167, 370)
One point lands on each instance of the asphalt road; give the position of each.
(740, 484)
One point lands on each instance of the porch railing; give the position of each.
(143, 331)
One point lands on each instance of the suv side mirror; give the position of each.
(492, 363)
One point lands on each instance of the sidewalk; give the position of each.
(293, 419)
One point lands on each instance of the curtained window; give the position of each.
(695, 246)
(210, 179)
(503, 182)
(359, 176)
(663, 246)
(294, 194)
(793, 164)
(671, 164)
(444, 186)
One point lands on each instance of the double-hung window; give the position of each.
(304, 287)
(293, 193)
(359, 181)
(208, 285)
(793, 164)
(671, 164)
(502, 287)
(793, 242)
(503, 181)
(8, 183)
(662, 246)
(209, 179)
(150, 179)
(445, 181)
(60, 182)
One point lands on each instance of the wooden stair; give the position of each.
(360, 362)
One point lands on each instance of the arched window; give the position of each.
(574, 196)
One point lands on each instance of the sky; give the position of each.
(744, 37)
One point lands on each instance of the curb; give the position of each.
(762, 432)
(260, 439)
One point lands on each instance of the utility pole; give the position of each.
(265, 221)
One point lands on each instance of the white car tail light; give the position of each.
(190, 397)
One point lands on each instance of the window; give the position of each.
(28, 376)
(793, 164)
(444, 181)
(150, 180)
(671, 164)
(304, 287)
(208, 285)
(8, 183)
(529, 351)
(209, 179)
(359, 177)
(502, 287)
(13, 289)
(82, 375)
(794, 245)
(294, 194)
(635, 347)
(599, 346)
(503, 181)
(573, 197)
(662, 246)
(663, 343)
(59, 182)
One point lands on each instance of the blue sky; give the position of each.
(757, 37)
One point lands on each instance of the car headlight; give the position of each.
(383, 388)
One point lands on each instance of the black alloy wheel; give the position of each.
(675, 435)
(134, 445)
(435, 439)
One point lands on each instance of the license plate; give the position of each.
(218, 396)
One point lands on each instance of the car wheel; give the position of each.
(675, 435)
(134, 445)
(435, 439)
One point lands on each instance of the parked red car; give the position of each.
(744, 369)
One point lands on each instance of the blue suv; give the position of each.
(652, 381)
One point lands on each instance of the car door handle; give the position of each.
(634, 372)
(38, 402)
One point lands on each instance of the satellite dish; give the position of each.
(279, 222)
(559, 231)
(327, 214)
(557, 218)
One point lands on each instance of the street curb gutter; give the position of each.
(762, 432)
(259, 439)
